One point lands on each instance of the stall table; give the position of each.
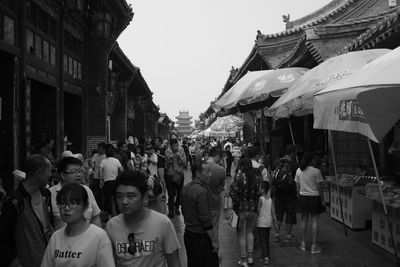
(356, 208)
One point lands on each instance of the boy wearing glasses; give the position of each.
(140, 236)
(70, 171)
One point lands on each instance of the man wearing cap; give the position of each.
(26, 220)
(284, 191)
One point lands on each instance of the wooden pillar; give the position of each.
(22, 92)
(60, 85)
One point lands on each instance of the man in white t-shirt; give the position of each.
(109, 169)
(140, 236)
(95, 180)
(70, 171)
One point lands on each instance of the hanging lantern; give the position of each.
(102, 24)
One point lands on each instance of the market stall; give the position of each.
(381, 235)
(356, 207)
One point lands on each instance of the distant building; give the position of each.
(184, 123)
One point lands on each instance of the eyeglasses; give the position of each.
(75, 171)
(72, 204)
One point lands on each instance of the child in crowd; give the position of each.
(264, 220)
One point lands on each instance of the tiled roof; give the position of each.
(323, 16)
(388, 26)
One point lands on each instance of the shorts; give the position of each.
(309, 205)
(286, 205)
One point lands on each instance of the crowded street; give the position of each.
(354, 250)
(137, 133)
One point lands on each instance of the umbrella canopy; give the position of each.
(210, 133)
(227, 123)
(298, 100)
(257, 86)
(367, 102)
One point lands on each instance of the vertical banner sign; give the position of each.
(16, 113)
(0, 107)
(28, 116)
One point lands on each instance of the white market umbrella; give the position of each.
(366, 103)
(227, 123)
(298, 100)
(256, 86)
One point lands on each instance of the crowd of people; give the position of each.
(95, 211)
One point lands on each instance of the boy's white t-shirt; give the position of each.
(90, 248)
(148, 245)
(92, 210)
(265, 214)
(309, 179)
(109, 168)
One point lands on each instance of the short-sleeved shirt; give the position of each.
(96, 160)
(195, 208)
(215, 184)
(236, 151)
(146, 245)
(90, 248)
(309, 179)
(161, 160)
(109, 168)
(153, 166)
(92, 210)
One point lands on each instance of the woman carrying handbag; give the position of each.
(245, 197)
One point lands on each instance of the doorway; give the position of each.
(6, 119)
(44, 114)
(73, 121)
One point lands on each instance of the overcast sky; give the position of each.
(185, 48)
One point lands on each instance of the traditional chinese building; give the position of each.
(54, 70)
(338, 27)
(184, 123)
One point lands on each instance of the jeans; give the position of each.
(263, 236)
(246, 226)
(97, 192)
(199, 250)
(109, 197)
(228, 167)
(173, 190)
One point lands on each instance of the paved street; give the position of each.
(338, 250)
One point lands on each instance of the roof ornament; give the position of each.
(286, 20)
(259, 35)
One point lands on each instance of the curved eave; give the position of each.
(248, 64)
(377, 34)
(313, 19)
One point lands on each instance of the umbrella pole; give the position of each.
(337, 181)
(291, 135)
(390, 228)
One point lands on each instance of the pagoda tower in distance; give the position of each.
(184, 123)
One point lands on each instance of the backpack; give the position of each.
(157, 188)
